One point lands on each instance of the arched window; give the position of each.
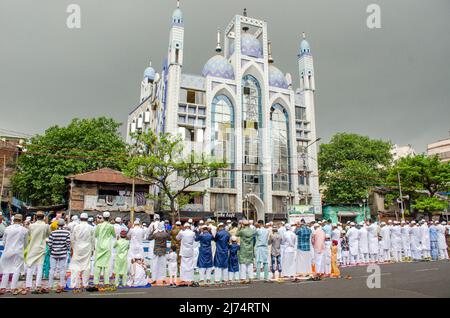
(279, 126)
(222, 139)
(251, 136)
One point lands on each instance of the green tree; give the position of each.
(159, 160)
(84, 145)
(422, 177)
(350, 165)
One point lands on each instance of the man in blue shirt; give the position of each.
(304, 259)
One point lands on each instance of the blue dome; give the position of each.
(150, 73)
(276, 78)
(304, 47)
(218, 66)
(250, 46)
(177, 17)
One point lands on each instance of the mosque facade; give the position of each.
(241, 109)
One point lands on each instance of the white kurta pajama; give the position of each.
(187, 238)
(406, 244)
(12, 260)
(83, 243)
(385, 244)
(426, 245)
(416, 245)
(396, 242)
(353, 242)
(442, 242)
(363, 245)
(288, 265)
(372, 235)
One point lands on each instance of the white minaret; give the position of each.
(175, 63)
(307, 87)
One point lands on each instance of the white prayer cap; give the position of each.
(136, 221)
(339, 223)
(348, 222)
(156, 217)
(316, 224)
(282, 222)
(28, 218)
(106, 214)
(177, 223)
(403, 222)
(190, 221)
(228, 221)
(413, 222)
(251, 221)
(220, 224)
(74, 217)
(187, 224)
(200, 222)
(118, 219)
(1, 213)
(444, 223)
(343, 232)
(90, 219)
(352, 223)
(204, 226)
(383, 223)
(327, 235)
(333, 224)
(209, 220)
(288, 226)
(389, 221)
(361, 223)
(436, 222)
(84, 216)
(234, 238)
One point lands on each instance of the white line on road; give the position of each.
(426, 269)
(115, 294)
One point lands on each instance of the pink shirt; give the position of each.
(318, 240)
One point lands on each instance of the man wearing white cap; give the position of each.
(363, 243)
(426, 245)
(442, 242)
(416, 244)
(74, 222)
(396, 239)
(372, 235)
(282, 231)
(136, 235)
(11, 262)
(105, 234)
(187, 238)
(353, 241)
(289, 267)
(385, 242)
(406, 244)
(83, 243)
(262, 250)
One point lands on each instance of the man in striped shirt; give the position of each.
(59, 245)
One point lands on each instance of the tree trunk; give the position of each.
(173, 211)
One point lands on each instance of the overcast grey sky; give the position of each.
(391, 83)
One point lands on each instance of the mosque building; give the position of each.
(241, 109)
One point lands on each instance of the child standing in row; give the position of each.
(233, 261)
(172, 266)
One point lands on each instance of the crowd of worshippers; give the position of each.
(220, 253)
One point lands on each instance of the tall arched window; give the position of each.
(251, 136)
(279, 122)
(222, 139)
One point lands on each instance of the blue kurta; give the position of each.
(434, 243)
(221, 258)
(261, 245)
(233, 260)
(205, 259)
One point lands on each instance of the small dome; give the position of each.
(250, 46)
(218, 66)
(177, 17)
(150, 73)
(304, 47)
(277, 78)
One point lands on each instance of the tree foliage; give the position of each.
(422, 177)
(350, 165)
(84, 145)
(159, 160)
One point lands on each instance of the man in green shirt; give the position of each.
(120, 261)
(104, 233)
(246, 252)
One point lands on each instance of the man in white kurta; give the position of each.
(426, 245)
(353, 242)
(74, 221)
(385, 242)
(281, 231)
(136, 235)
(442, 242)
(11, 262)
(363, 244)
(372, 235)
(288, 265)
(406, 244)
(415, 239)
(37, 236)
(396, 241)
(187, 238)
(83, 243)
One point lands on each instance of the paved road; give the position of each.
(423, 279)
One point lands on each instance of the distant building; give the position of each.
(399, 152)
(440, 148)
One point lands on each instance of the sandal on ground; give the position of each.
(24, 291)
(2, 291)
(15, 292)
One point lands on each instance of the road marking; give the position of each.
(365, 276)
(115, 294)
(426, 269)
(226, 288)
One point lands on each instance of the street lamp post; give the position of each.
(364, 209)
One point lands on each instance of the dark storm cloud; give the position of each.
(391, 83)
